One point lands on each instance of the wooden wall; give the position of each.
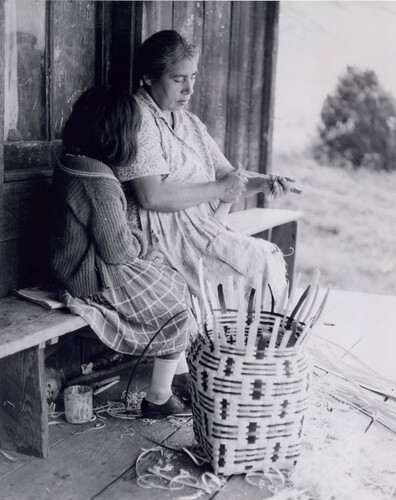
(2, 250)
(94, 42)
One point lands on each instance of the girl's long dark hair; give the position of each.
(103, 125)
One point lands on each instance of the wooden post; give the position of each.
(23, 406)
(3, 245)
(270, 56)
(2, 57)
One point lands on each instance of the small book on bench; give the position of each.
(41, 296)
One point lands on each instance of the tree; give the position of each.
(358, 123)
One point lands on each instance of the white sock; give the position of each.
(161, 380)
(182, 366)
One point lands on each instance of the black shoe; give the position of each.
(172, 407)
(181, 386)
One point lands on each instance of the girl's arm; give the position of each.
(114, 240)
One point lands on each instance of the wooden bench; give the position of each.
(26, 328)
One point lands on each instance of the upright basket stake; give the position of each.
(309, 325)
(215, 333)
(231, 292)
(264, 284)
(274, 334)
(307, 315)
(313, 285)
(253, 327)
(222, 302)
(286, 337)
(202, 286)
(216, 305)
(241, 314)
(290, 300)
(208, 311)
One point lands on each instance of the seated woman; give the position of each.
(97, 260)
(179, 175)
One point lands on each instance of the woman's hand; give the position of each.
(232, 186)
(274, 186)
(278, 186)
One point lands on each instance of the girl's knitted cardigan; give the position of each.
(91, 239)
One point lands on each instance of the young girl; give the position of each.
(97, 260)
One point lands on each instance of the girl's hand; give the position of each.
(155, 256)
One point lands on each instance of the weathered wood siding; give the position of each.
(94, 42)
(69, 68)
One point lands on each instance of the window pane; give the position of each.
(24, 70)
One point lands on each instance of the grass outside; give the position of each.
(348, 230)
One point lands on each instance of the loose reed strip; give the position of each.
(340, 460)
(157, 476)
(364, 375)
(348, 391)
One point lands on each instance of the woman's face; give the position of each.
(173, 89)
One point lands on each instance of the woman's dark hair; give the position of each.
(103, 124)
(161, 51)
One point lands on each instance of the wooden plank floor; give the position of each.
(87, 462)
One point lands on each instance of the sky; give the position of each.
(317, 40)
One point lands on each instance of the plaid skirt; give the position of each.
(153, 302)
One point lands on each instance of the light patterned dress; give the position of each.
(186, 153)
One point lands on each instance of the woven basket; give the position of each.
(250, 379)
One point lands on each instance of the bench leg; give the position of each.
(23, 406)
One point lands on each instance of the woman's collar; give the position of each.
(149, 101)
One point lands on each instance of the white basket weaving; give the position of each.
(250, 379)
